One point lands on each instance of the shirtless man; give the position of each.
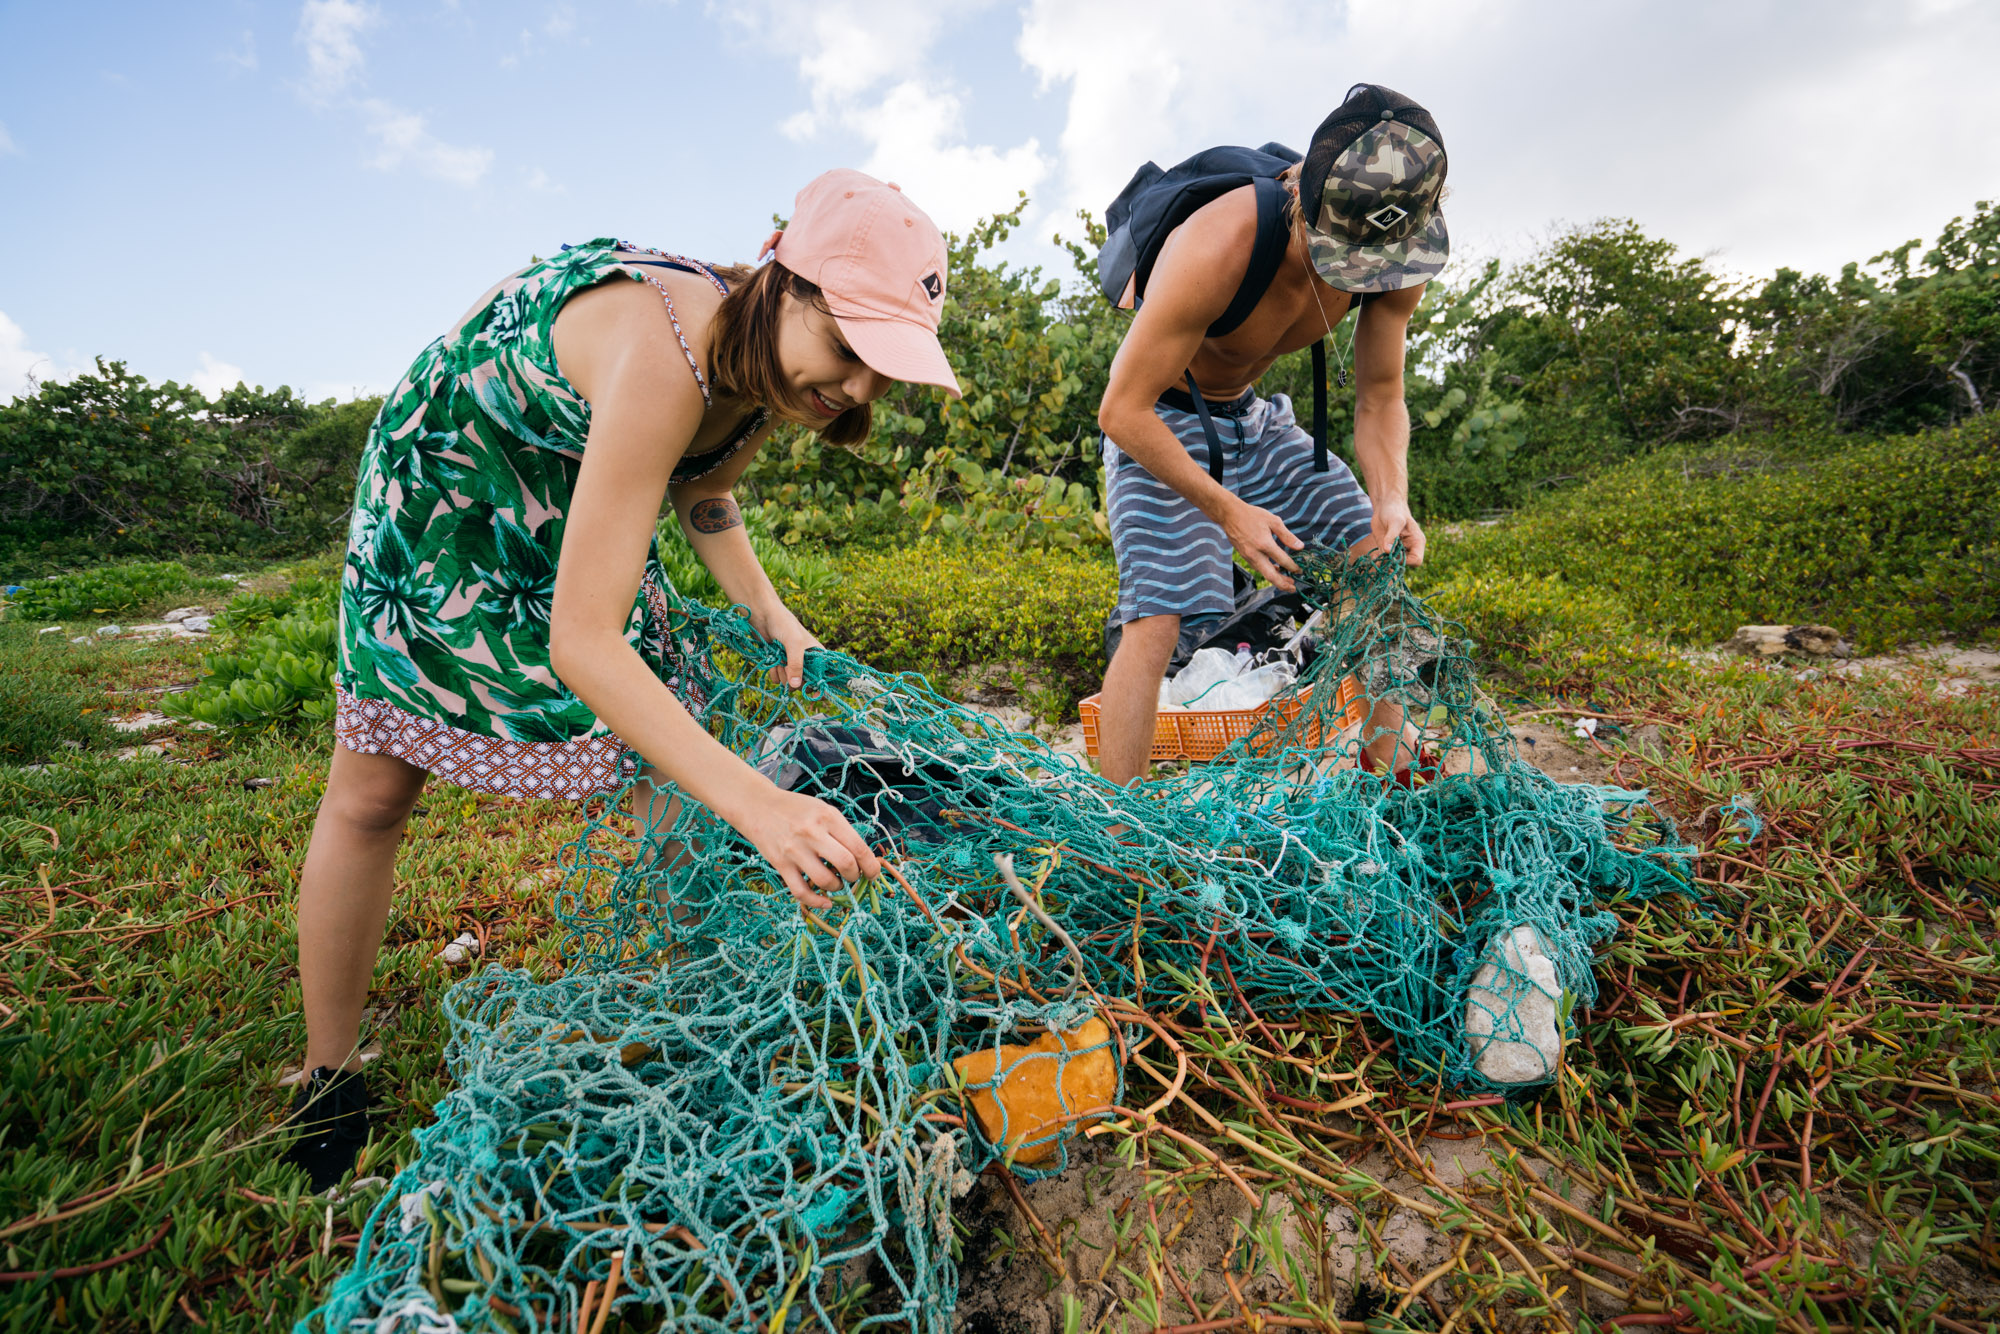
(1369, 231)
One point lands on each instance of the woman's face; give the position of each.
(825, 376)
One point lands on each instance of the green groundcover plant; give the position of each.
(107, 590)
(1780, 1115)
(47, 700)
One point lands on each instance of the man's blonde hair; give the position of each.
(1295, 212)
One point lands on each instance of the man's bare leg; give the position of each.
(1130, 705)
(1389, 739)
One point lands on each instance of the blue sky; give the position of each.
(307, 191)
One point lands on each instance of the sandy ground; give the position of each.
(1964, 668)
(1006, 1286)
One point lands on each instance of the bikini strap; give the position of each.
(685, 265)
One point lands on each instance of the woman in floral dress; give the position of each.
(504, 621)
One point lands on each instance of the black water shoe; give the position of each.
(330, 1116)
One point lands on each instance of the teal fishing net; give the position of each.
(731, 1113)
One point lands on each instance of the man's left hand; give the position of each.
(1392, 521)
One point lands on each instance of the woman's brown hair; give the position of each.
(745, 359)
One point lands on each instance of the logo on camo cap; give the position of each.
(1370, 186)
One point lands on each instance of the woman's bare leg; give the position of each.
(344, 893)
(655, 810)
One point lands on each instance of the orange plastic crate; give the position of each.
(1202, 734)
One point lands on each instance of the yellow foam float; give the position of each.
(1041, 1086)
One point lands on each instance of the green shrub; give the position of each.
(938, 606)
(107, 589)
(277, 658)
(1888, 540)
(314, 594)
(793, 570)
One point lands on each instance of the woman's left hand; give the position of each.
(782, 626)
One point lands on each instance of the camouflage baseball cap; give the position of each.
(1370, 186)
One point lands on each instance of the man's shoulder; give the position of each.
(1227, 222)
(1209, 253)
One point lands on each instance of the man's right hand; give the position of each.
(1264, 542)
(808, 843)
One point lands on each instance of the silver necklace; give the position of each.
(1312, 285)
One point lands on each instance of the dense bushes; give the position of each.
(792, 570)
(1887, 540)
(108, 465)
(1606, 345)
(1543, 633)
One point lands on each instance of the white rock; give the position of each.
(410, 1205)
(181, 614)
(1510, 1010)
(460, 950)
(110, 630)
(1770, 641)
(49, 630)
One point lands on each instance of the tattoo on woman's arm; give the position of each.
(714, 516)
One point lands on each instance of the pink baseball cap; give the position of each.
(881, 263)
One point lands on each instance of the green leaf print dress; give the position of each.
(451, 556)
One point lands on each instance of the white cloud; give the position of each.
(918, 135)
(869, 69)
(215, 377)
(537, 182)
(1769, 133)
(22, 367)
(243, 55)
(7, 146)
(330, 31)
(403, 140)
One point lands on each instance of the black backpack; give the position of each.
(1155, 202)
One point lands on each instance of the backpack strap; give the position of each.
(1207, 428)
(1266, 253)
(1319, 406)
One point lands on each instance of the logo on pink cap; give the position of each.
(881, 263)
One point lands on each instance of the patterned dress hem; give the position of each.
(559, 770)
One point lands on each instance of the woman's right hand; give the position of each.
(808, 843)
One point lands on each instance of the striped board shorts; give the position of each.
(1173, 560)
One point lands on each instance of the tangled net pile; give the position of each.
(730, 1113)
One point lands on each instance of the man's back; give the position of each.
(1197, 275)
